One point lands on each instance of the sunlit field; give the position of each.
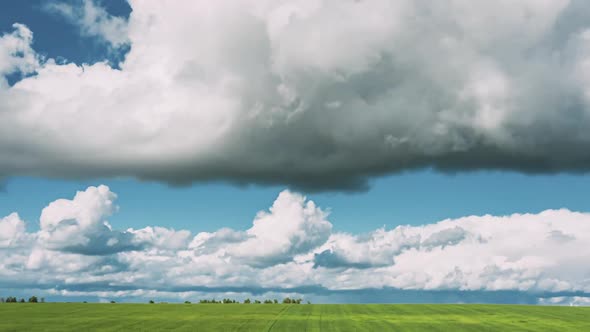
(289, 317)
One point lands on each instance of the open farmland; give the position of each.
(283, 317)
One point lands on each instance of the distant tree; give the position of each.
(275, 301)
(84, 301)
(308, 302)
(33, 299)
(1, 300)
(113, 302)
(287, 300)
(247, 301)
(187, 302)
(152, 302)
(11, 299)
(215, 301)
(256, 302)
(42, 300)
(298, 301)
(22, 301)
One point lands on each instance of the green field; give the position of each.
(283, 317)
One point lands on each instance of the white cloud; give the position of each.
(12, 231)
(292, 248)
(161, 237)
(93, 20)
(566, 300)
(318, 95)
(292, 226)
(78, 225)
(16, 53)
(532, 252)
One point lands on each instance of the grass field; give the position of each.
(282, 317)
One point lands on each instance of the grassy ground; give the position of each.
(280, 317)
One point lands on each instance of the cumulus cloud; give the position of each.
(316, 95)
(292, 226)
(519, 251)
(292, 248)
(78, 225)
(12, 231)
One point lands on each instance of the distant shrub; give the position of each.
(113, 302)
(291, 301)
(187, 302)
(152, 302)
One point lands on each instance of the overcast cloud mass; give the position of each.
(292, 248)
(316, 95)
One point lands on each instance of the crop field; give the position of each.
(289, 317)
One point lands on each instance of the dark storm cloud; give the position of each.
(313, 97)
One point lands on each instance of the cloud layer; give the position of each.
(311, 94)
(293, 249)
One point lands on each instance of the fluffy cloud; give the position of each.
(312, 94)
(531, 252)
(12, 231)
(291, 227)
(78, 225)
(292, 248)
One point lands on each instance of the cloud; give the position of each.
(315, 95)
(292, 226)
(12, 231)
(160, 237)
(567, 300)
(78, 225)
(293, 248)
(16, 53)
(93, 20)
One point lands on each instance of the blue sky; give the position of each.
(413, 198)
(184, 122)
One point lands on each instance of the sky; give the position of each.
(339, 151)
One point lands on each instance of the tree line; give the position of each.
(12, 299)
(286, 300)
